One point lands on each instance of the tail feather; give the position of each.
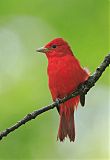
(67, 125)
(71, 127)
(63, 128)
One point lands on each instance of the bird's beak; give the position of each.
(42, 49)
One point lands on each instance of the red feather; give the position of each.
(65, 74)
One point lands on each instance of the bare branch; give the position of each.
(82, 89)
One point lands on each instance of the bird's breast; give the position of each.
(61, 74)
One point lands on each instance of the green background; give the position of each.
(26, 25)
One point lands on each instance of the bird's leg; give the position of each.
(57, 101)
(58, 104)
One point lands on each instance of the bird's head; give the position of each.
(56, 48)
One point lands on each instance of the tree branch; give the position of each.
(82, 89)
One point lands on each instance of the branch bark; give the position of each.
(81, 90)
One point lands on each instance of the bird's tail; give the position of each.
(67, 125)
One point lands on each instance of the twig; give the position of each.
(82, 89)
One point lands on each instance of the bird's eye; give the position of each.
(54, 46)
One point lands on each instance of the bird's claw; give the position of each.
(57, 101)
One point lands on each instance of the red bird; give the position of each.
(65, 74)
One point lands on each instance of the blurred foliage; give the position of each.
(26, 25)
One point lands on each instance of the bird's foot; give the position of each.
(57, 101)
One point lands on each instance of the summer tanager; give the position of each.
(65, 74)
